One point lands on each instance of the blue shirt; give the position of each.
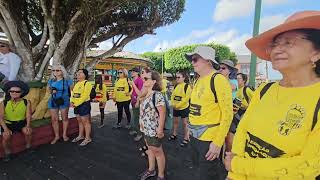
(62, 90)
(234, 92)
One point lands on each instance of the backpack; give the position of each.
(246, 97)
(316, 111)
(185, 87)
(93, 93)
(6, 101)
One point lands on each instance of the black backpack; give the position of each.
(246, 97)
(185, 87)
(316, 111)
(93, 93)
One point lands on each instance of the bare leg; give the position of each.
(65, 123)
(161, 160)
(55, 124)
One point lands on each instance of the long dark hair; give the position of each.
(158, 85)
(244, 77)
(85, 72)
(98, 81)
(185, 75)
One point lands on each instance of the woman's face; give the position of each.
(80, 75)
(224, 70)
(291, 51)
(147, 80)
(120, 74)
(199, 63)
(240, 80)
(179, 78)
(15, 92)
(57, 72)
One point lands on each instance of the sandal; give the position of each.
(172, 137)
(85, 142)
(77, 139)
(184, 142)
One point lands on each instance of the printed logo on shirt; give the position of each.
(293, 120)
(76, 95)
(257, 148)
(200, 92)
(177, 98)
(120, 89)
(195, 109)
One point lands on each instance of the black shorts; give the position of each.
(153, 141)
(16, 126)
(83, 109)
(181, 113)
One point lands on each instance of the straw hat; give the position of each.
(299, 20)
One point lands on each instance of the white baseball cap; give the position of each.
(206, 52)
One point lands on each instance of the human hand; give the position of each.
(228, 159)
(160, 133)
(213, 152)
(7, 132)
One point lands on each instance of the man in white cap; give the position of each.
(210, 113)
(9, 62)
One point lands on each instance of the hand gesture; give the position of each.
(213, 152)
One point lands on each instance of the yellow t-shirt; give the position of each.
(240, 95)
(205, 111)
(121, 89)
(274, 138)
(101, 95)
(180, 98)
(81, 93)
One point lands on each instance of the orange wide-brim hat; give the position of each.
(299, 20)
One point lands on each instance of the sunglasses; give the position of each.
(120, 72)
(146, 78)
(178, 77)
(194, 59)
(56, 70)
(223, 68)
(3, 46)
(12, 91)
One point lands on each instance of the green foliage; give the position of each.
(156, 58)
(175, 58)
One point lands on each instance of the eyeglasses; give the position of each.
(194, 59)
(56, 70)
(178, 77)
(223, 68)
(146, 78)
(284, 43)
(13, 91)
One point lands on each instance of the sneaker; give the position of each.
(101, 125)
(128, 126)
(117, 126)
(146, 174)
(132, 132)
(138, 138)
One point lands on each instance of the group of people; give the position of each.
(233, 131)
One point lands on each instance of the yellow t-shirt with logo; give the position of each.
(204, 110)
(121, 89)
(180, 98)
(81, 93)
(240, 95)
(274, 138)
(101, 95)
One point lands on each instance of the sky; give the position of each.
(228, 22)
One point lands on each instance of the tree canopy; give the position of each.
(63, 29)
(157, 59)
(175, 58)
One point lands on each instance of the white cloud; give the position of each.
(194, 37)
(228, 9)
(269, 22)
(151, 41)
(105, 45)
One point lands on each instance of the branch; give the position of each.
(5, 29)
(37, 49)
(104, 37)
(45, 61)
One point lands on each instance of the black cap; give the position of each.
(135, 69)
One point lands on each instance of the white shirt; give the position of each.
(9, 65)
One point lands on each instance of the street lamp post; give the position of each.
(253, 64)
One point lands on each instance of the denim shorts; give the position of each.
(83, 109)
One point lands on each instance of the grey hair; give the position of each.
(125, 72)
(62, 68)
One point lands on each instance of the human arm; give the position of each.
(15, 62)
(2, 123)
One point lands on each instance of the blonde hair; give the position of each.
(125, 72)
(63, 70)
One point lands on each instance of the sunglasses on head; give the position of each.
(13, 91)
